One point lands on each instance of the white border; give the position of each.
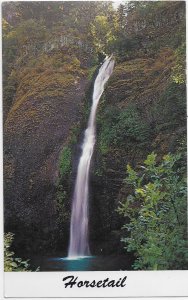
(138, 284)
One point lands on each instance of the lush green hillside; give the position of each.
(143, 110)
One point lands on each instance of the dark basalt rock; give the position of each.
(34, 134)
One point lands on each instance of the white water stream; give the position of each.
(79, 244)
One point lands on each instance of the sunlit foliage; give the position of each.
(156, 210)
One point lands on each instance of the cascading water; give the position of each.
(79, 245)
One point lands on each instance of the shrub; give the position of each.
(65, 161)
(120, 127)
(12, 264)
(130, 125)
(170, 110)
(156, 210)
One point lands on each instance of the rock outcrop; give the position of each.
(48, 103)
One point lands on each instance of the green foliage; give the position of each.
(65, 161)
(106, 119)
(62, 185)
(5, 27)
(178, 72)
(119, 126)
(156, 210)
(29, 32)
(9, 56)
(63, 189)
(130, 125)
(144, 28)
(103, 30)
(73, 138)
(170, 110)
(61, 198)
(91, 72)
(12, 264)
(126, 47)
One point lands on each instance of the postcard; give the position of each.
(94, 149)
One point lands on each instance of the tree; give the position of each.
(102, 33)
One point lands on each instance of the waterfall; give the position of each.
(79, 245)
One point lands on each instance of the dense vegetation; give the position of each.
(12, 263)
(157, 214)
(51, 53)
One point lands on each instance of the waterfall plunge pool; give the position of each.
(84, 263)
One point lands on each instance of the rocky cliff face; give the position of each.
(47, 105)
